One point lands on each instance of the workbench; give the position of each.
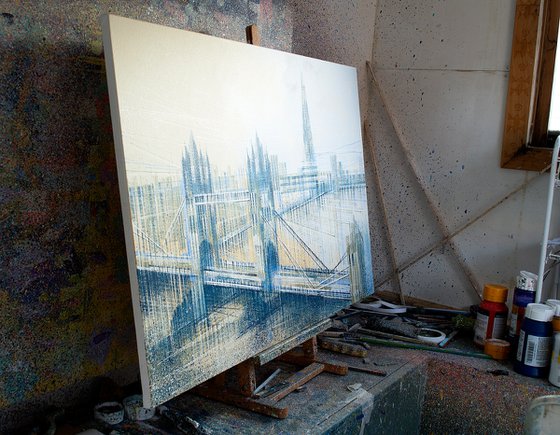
(423, 392)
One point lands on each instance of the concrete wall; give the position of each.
(443, 70)
(65, 309)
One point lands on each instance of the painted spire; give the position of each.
(307, 136)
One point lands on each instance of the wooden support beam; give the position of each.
(301, 360)
(231, 398)
(246, 378)
(253, 35)
(425, 190)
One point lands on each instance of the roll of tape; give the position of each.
(381, 307)
(109, 412)
(496, 348)
(430, 335)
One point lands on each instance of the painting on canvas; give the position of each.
(243, 192)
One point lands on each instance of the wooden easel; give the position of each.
(237, 385)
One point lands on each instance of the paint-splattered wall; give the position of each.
(443, 69)
(65, 312)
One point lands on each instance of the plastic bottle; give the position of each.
(535, 341)
(523, 295)
(554, 376)
(491, 316)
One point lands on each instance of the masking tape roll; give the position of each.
(496, 348)
(109, 412)
(430, 335)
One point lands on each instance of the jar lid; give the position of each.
(555, 304)
(527, 281)
(539, 312)
(494, 293)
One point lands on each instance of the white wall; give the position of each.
(443, 69)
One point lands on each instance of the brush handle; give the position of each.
(423, 347)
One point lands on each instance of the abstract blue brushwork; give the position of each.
(244, 197)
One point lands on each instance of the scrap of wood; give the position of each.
(301, 360)
(368, 370)
(431, 203)
(344, 348)
(291, 343)
(390, 239)
(332, 334)
(296, 380)
(246, 377)
(232, 398)
(392, 336)
(253, 35)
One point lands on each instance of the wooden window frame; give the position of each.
(533, 53)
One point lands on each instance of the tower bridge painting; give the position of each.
(247, 200)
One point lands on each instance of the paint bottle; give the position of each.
(491, 316)
(554, 376)
(523, 295)
(553, 303)
(535, 341)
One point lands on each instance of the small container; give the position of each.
(523, 295)
(554, 376)
(535, 341)
(491, 316)
(556, 319)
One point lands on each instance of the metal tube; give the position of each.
(549, 203)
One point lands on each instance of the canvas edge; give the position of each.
(227, 40)
(125, 206)
(368, 192)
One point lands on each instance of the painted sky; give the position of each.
(226, 96)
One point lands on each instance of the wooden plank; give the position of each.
(246, 377)
(521, 77)
(290, 343)
(546, 73)
(309, 348)
(367, 370)
(344, 348)
(301, 360)
(253, 35)
(295, 381)
(219, 381)
(530, 159)
(231, 398)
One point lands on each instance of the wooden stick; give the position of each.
(345, 348)
(381, 197)
(412, 163)
(366, 370)
(466, 225)
(390, 343)
(296, 380)
(392, 336)
(416, 172)
(253, 35)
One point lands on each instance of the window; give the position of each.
(532, 119)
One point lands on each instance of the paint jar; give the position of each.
(491, 316)
(535, 341)
(554, 376)
(523, 295)
(556, 319)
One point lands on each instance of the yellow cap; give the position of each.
(494, 293)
